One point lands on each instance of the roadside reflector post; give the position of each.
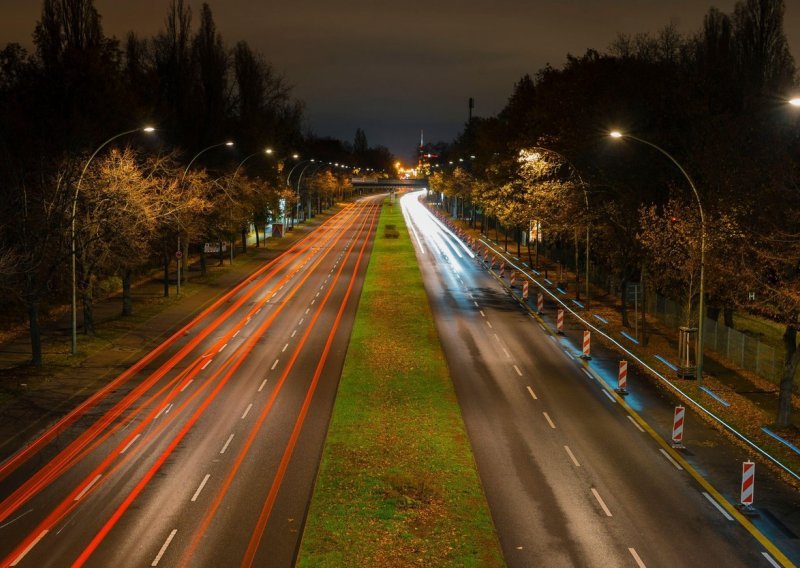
(491, 266)
(560, 322)
(513, 278)
(748, 489)
(502, 268)
(587, 345)
(525, 290)
(677, 428)
(622, 379)
(539, 303)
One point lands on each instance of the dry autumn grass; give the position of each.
(397, 484)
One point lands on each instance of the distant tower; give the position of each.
(421, 149)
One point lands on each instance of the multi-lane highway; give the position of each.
(572, 478)
(205, 452)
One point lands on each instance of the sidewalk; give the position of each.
(31, 398)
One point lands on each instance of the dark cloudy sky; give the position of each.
(393, 68)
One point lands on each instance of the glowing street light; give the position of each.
(701, 304)
(795, 101)
(148, 129)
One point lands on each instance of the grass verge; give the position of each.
(397, 484)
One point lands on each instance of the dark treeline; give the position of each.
(717, 102)
(135, 202)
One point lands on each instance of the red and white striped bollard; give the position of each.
(560, 322)
(622, 378)
(502, 268)
(513, 278)
(587, 345)
(539, 303)
(677, 427)
(524, 289)
(748, 486)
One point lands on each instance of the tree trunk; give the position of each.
(713, 313)
(519, 242)
(728, 314)
(127, 301)
(258, 241)
(88, 308)
(791, 361)
(166, 269)
(221, 257)
(244, 240)
(35, 331)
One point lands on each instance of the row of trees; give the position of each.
(715, 100)
(137, 200)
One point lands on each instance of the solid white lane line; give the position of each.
(284, 348)
(611, 398)
(294, 332)
(572, 456)
(764, 554)
(262, 385)
(206, 364)
(713, 501)
(238, 331)
(635, 423)
(543, 327)
(200, 487)
(517, 370)
(669, 457)
(602, 503)
(275, 364)
(221, 348)
(506, 352)
(489, 324)
(129, 444)
(549, 421)
(533, 394)
(638, 560)
(22, 554)
(225, 447)
(483, 314)
(570, 355)
(164, 548)
(86, 489)
(246, 410)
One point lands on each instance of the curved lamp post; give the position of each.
(147, 129)
(586, 200)
(267, 151)
(203, 151)
(701, 303)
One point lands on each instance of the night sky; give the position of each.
(393, 68)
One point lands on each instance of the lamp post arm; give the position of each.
(288, 177)
(197, 156)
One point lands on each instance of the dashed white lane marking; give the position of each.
(160, 412)
(517, 370)
(183, 388)
(570, 355)
(312, 303)
(672, 461)
(221, 348)
(308, 310)
(533, 394)
(301, 321)
(200, 487)
(275, 364)
(476, 304)
(611, 398)
(317, 296)
(587, 373)
(489, 324)
(717, 505)
(129, 444)
(602, 503)
(767, 556)
(258, 310)
(497, 337)
(206, 364)
(246, 410)
(294, 332)
(238, 331)
(572, 456)
(22, 554)
(168, 409)
(164, 547)
(549, 421)
(225, 447)
(635, 423)
(483, 314)
(638, 560)
(506, 352)
(284, 348)
(88, 487)
(263, 384)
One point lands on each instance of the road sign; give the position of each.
(178, 254)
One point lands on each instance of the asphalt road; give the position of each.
(205, 453)
(571, 477)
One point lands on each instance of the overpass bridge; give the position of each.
(389, 184)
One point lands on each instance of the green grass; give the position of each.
(397, 484)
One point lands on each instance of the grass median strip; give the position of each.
(397, 484)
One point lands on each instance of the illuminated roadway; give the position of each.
(204, 453)
(571, 478)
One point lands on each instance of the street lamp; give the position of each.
(701, 303)
(204, 150)
(147, 129)
(267, 151)
(795, 101)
